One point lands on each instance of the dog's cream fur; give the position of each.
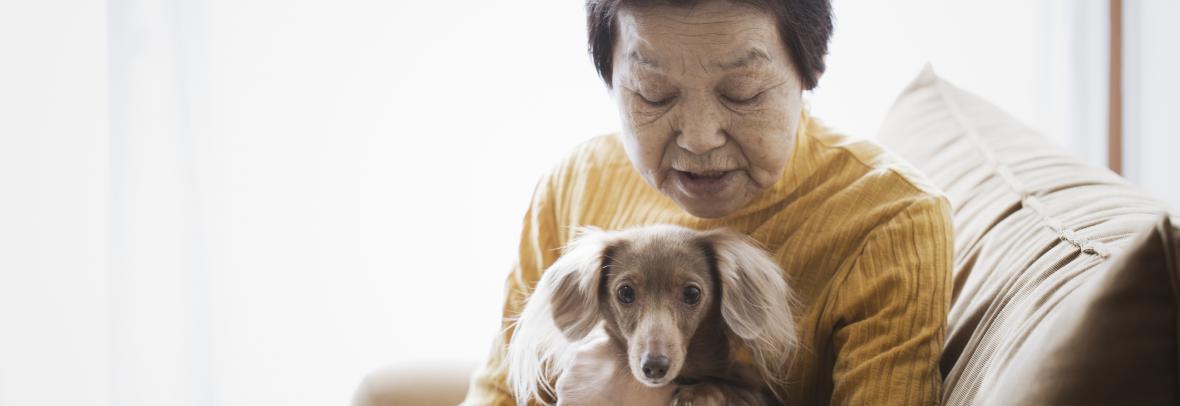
(552, 335)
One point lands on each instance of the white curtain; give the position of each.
(259, 201)
(1043, 61)
(54, 182)
(1151, 96)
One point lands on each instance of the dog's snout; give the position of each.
(655, 367)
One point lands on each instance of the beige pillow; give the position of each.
(1033, 226)
(1113, 341)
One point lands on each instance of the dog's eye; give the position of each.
(692, 295)
(626, 294)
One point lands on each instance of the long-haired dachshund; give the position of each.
(708, 312)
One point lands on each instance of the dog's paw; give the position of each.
(701, 394)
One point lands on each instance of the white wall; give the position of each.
(1151, 91)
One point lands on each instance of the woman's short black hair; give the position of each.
(804, 25)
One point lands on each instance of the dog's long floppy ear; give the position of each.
(756, 302)
(575, 278)
(561, 310)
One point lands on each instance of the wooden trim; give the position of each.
(1114, 144)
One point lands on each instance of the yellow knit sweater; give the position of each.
(864, 240)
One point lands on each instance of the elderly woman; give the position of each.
(715, 134)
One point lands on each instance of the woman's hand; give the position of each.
(718, 394)
(701, 394)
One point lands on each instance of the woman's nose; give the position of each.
(700, 129)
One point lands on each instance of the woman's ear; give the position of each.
(576, 277)
(756, 302)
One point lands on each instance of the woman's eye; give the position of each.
(626, 294)
(692, 295)
(743, 100)
(655, 101)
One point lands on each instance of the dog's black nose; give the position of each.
(655, 367)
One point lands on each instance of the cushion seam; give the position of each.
(1027, 198)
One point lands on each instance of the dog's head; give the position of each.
(655, 287)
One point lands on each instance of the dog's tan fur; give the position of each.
(744, 306)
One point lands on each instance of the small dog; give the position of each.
(707, 311)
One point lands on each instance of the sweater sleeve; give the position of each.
(892, 311)
(539, 247)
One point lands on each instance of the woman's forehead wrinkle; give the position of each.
(752, 57)
(704, 66)
(693, 15)
(633, 41)
(637, 59)
(708, 35)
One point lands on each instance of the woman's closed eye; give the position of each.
(655, 99)
(745, 91)
(743, 99)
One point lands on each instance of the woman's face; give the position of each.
(709, 101)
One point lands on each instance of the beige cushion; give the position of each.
(1113, 342)
(1033, 225)
(440, 384)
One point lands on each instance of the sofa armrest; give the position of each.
(414, 385)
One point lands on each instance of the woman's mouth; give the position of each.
(705, 175)
(705, 184)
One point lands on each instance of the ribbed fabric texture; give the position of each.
(863, 239)
(1033, 226)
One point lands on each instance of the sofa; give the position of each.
(1066, 277)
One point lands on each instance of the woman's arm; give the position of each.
(893, 309)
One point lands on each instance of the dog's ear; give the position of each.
(564, 303)
(756, 302)
(576, 277)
